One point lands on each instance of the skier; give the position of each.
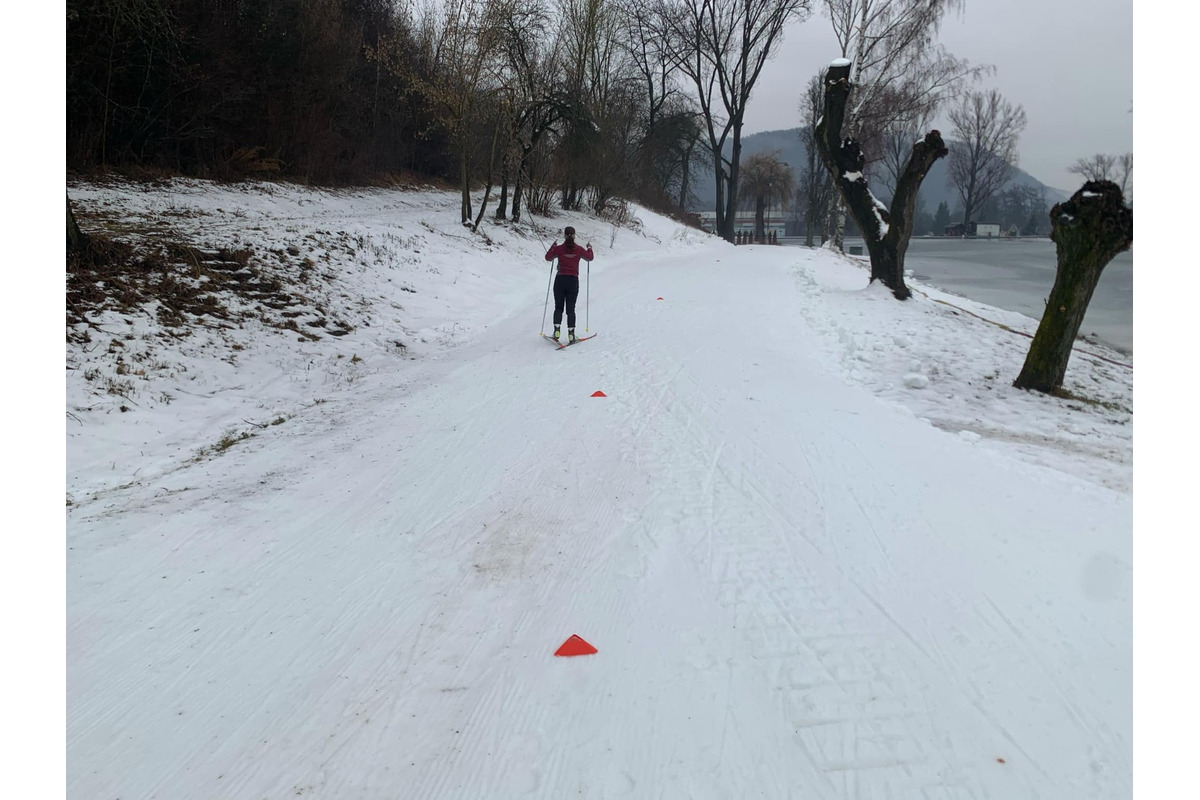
(566, 285)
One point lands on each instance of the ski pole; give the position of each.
(549, 280)
(587, 301)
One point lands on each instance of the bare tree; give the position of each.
(721, 46)
(896, 145)
(765, 181)
(668, 121)
(460, 42)
(596, 153)
(1125, 169)
(1022, 206)
(816, 194)
(536, 104)
(885, 230)
(666, 156)
(1088, 231)
(1105, 167)
(900, 75)
(649, 51)
(1098, 167)
(982, 160)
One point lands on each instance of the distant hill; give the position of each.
(791, 150)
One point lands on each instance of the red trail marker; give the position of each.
(575, 647)
(598, 393)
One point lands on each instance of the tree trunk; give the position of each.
(491, 174)
(464, 174)
(724, 227)
(683, 188)
(76, 240)
(519, 181)
(839, 225)
(1088, 231)
(731, 188)
(502, 203)
(969, 207)
(885, 231)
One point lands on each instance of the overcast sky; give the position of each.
(1068, 62)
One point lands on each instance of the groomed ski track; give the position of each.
(783, 606)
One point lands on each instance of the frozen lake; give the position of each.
(1017, 275)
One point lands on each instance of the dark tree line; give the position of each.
(225, 88)
(532, 100)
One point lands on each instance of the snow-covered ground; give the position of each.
(823, 547)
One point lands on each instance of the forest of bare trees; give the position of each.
(579, 103)
(574, 100)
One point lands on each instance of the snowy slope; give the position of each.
(820, 552)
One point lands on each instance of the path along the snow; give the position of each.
(796, 591)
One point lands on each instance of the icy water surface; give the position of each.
(1017, 275)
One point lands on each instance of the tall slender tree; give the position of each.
(461, 45)
(535, 101)
(986, 127)
(722, 46)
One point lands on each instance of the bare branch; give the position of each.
(982, 160)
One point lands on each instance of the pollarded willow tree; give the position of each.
(885, 230)
(722, 46)
(1088, 231)
(900, 75)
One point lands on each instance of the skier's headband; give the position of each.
(568, 231)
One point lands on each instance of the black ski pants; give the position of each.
(566, 292)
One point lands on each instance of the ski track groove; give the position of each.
(750, 566)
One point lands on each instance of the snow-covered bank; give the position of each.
(412, 284)
(822, 546)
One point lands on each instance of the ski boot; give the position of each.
(556, 333)
(570, 336)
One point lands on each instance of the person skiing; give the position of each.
(566, 284)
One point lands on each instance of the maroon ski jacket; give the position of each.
(568, 259)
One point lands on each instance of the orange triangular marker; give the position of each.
(599, 394)
(660, 298)
(575, 647)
